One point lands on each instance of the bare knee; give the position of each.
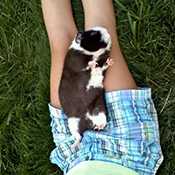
(60, 42)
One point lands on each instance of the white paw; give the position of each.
(109, 62)
(77, 140)
(73, 124)
(99, 121)
(99, 127)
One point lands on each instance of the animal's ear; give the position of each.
(78, 37)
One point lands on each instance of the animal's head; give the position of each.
(95, 40)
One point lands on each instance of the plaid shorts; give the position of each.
(131, 137)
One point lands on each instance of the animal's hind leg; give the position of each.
(98, 114)
(85, 123)
(73, 124)
(100, 121)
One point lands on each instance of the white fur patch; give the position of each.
(96, 78)
(99, 121)
(105, 37)
(73, 124)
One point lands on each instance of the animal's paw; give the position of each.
(109, 62)
(73, 124)
(99, 121)
(77, 140)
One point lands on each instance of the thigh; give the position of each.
(61, 29)
(59, 20)
(101, 13)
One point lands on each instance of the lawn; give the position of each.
(146, 31)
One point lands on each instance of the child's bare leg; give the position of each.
(61, 30)
(101, 13)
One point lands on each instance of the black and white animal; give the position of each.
(81, 87)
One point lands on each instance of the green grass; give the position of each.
(146, 33)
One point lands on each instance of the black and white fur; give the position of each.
(81, 87)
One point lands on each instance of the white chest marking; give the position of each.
(96, 78)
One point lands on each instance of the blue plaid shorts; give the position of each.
(131, 137)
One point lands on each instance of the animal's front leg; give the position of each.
(109, 62)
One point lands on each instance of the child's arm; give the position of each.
(62, 137)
